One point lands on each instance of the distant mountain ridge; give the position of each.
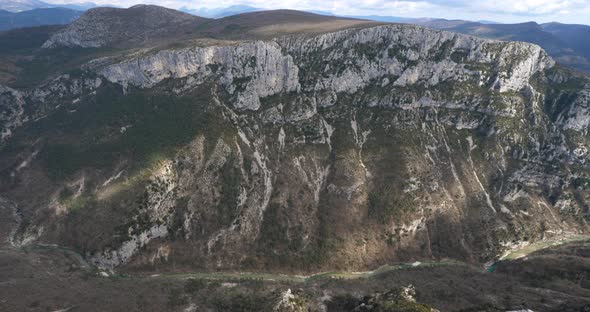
(37, 17)
(22, 5)
(27, 5)
(221, 12)
(571, 35)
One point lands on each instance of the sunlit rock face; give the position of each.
(250, 71)
(343, 150)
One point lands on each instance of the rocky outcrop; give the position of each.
(19, 107)
(290, 302)
(11, 112)
(577, 117)
(248, 71)
(400, 299)
(433, 57)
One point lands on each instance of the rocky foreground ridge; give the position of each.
(348, 149)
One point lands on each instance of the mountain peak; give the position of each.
(37, 17)
(113, 26)
(22, 5)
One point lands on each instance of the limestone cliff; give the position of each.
(341, 150)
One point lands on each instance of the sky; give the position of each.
(504, 11)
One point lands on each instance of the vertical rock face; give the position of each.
(248, 71)
(342, 150)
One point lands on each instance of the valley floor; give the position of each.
(553, 278)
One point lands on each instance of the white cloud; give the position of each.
(532, 7)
